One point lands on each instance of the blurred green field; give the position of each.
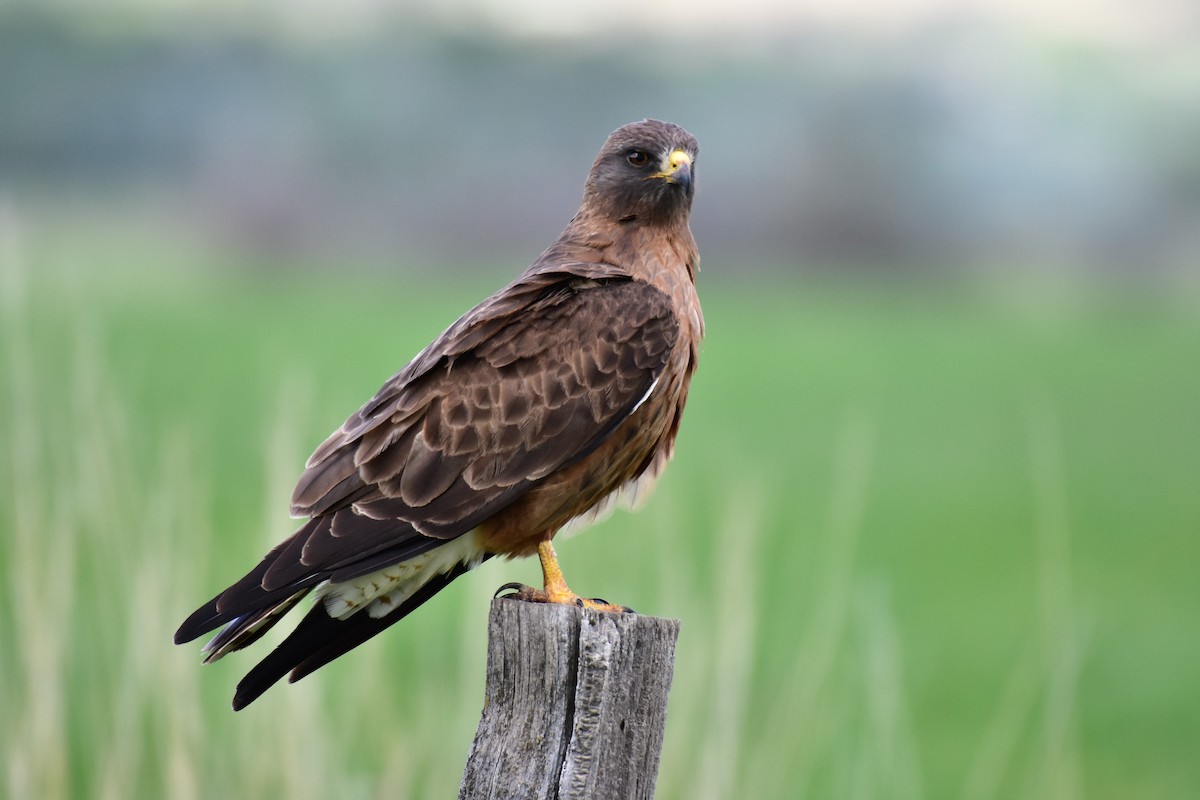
(924, 544)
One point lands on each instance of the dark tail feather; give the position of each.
(246, 596)
(208, 617)
(319, 639)
(247, 629)
(202, 620)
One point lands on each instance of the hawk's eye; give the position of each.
(639, 158)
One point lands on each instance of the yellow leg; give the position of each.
(556, 589)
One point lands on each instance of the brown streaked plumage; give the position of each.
(539, 407)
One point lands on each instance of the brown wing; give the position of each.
(528, 382)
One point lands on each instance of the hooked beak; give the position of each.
(677, 168)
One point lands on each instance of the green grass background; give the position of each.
(924, 543)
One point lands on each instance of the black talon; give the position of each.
(600, 601)
(515, 587)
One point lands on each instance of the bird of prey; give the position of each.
(548, 403)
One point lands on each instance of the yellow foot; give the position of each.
(556, 590)
(530, 594)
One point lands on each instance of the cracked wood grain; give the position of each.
(575, 704)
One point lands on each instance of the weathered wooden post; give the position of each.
(575, 704)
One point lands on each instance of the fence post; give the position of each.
(575, 704)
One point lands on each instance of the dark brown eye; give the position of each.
(639, 158)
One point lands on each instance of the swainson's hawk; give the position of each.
(545, 404)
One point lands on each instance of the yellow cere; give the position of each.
(675, 160)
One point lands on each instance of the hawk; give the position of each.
(548, 403)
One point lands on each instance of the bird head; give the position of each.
(644, 172)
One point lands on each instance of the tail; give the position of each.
(255, 603)
(319, 639)
(247, 629)
(247, 603)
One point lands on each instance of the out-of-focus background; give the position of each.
(934, 525)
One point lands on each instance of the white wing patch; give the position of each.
(646, 396)
(382, 591)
